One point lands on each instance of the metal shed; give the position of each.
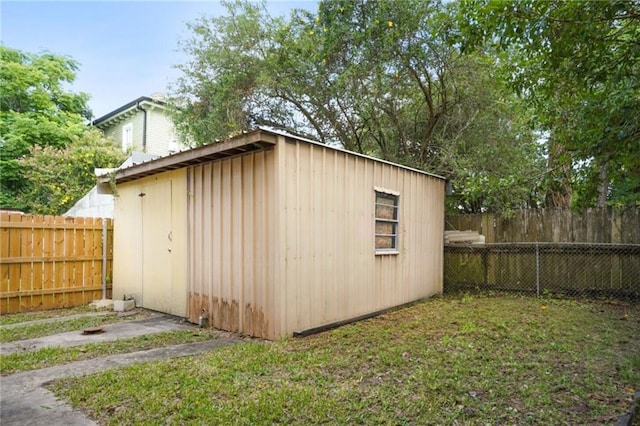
(270, 234)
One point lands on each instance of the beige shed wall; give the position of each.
(329, 270)
(231, 211)
(150, 242)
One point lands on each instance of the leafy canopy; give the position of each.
(35, 110)
(47, 155)
(58, 177)
(382, 78)
(577, 64)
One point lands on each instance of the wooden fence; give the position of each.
(49, 262)
(596, 225)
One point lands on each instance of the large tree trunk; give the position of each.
(603, 184)
(558, 179)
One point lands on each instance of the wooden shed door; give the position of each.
(156, 245)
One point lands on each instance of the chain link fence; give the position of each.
(573, 269)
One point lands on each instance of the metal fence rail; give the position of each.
(575, 269)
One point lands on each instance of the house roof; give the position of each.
(255, 140)
(126, 110)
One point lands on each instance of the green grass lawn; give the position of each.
(62, 325)
(470, 360)
(38, 315)
(47, 357)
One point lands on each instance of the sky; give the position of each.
(125, 49)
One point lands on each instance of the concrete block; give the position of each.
(102, 303)
(123, 305)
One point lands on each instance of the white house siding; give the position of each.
(231, 208)
(160, 132)
(329, 268)
(115, 131)
(150, 242)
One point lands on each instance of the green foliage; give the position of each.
(58, 177)
(577, 65)
(381, 78)
(35, 110)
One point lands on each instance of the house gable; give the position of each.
(141, 125)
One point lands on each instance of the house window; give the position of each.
(127, 137)
(386, 221)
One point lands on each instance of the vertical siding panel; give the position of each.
(179, 278)
(275, 233)
(367, 225)
(335, 237)
(237, 278)
(249, 240)
(190, 242)
(127, 243)
(330, 235)
(316, 249)
(418, 213)
(340, 235)
(258, 249)
(304, 282)
(349, 233)
(217, 243)
(205, 234)
(292, 238)
(199, 220)
(227, 246)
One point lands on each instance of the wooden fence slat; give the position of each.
(56, 277)
(37, 265)
(14, 270)
(51, 262)
(593, 225)
(4, 268)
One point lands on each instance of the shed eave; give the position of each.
(245, 143)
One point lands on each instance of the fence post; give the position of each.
(537, 269)
(485, 266)
(104, 258)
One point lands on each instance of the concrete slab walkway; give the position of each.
(23, 400)
(120, 330)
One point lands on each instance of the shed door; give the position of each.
(156, 245)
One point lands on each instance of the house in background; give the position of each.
(141, 125)
(270, 234)
(143, 128)
(99, 201)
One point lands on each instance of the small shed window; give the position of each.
(386, 221)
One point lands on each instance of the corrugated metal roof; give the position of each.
(244, 143)
(261, 138)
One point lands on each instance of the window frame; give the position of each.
(127, 136)
(395, 221)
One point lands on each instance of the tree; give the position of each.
(35, 111)
(577, 65)
(380, 78)
(58, 176)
